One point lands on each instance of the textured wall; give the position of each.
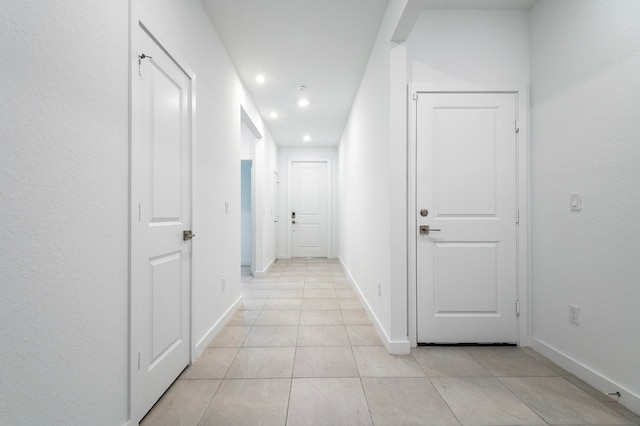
(585, 63)
(63, 209)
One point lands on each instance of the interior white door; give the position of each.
(276, 215)
(308, 214)
(161, 211)
(466, 195)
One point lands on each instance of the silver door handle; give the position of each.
(187, 235)
(425, 229)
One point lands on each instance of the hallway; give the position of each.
(302, 351)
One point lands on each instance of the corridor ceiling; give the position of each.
(322, 44)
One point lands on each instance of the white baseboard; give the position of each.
(203, 343)
(394, 347)
(592, 377)
(258, 274)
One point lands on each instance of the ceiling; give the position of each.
(322, 44)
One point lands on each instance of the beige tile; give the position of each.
(375, 361)
(346, 293)
(257, 286)
(325, 402)
(262, 363)
(632, 417)
(322, 335)
(272, 335)
(321, 317)
(334, 361)
(320, 304)
(448, 362)
(318, 285)
(183, 404)
(546, 361)
(316, 278)
(282, 304)
(484, 401)
(243, 318)
(600, 396)
(291, 277)
(559, 402)
(278, 318)
(356, 317)
(255, 294)
(341, 284)
(319, 293)
(286, 294)
(406, 401)
(289, 285)
(363, 335)
(350, 304)
(251, 304)
(212, 364)
(509, 361)
(230, 336)
(249, 402)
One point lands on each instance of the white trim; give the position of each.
(208, 337)
(258, 274)
(592, 377)
(140, 21)
(329, 206)
(394, 347)
(523, 196)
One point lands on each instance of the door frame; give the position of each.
(522, 197)
(141, 22)
(329, 205)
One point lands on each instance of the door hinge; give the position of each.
(138, 360)
(517, 308)
(139, 212)
(517, 126)
(140, 58)
(415, 96)
(517, 215)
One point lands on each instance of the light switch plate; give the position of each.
(575, 202)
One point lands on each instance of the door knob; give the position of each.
(425, 229)
(187, 235)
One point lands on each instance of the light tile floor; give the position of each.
(301, 350)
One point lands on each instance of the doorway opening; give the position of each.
(246, 218)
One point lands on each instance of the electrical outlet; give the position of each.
(223, 283)
(574, 314)
(379, 289)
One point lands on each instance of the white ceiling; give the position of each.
(323, 44)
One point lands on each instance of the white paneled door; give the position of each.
(466, 201)
(161, 212)
(308, 215)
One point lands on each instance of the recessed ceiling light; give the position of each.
(273, 114)
(303, 102)
(306, 138)
(260, 79)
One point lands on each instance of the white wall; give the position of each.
(64, 212)
(285, 154)
(64, 157)
(480, 47)
(585, 62)
(265, 164)
(366, 155)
